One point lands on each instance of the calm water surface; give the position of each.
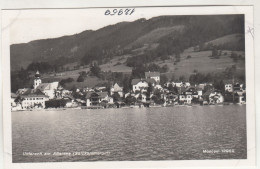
(172, 133)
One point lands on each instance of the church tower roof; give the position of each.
(37, 74)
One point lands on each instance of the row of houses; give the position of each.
(144, 91)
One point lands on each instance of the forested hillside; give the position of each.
(172, 34)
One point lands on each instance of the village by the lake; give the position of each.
(145, 92)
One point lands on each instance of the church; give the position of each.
(49, 89)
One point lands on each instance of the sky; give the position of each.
(32, 24)
(28, 25)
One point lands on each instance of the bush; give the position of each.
(95, 70)
(68, 80)
(55, 103)
(80, 79)
(188, 57)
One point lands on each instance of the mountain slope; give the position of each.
(113, 40)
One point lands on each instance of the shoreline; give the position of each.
(125, 107)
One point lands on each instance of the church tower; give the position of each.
(37, 80)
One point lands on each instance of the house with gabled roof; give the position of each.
(142, 84)
(153, 75)
(116, 89)
(141, 97)
(96, 98)
(33, 98)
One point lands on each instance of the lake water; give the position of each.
(171, 133)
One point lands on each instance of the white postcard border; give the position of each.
(249, 52)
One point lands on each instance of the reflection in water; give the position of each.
(173, 133)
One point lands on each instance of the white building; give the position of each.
(142, 84)
(179, 84)
(49, 89)
(116, 89)
(153, 75)
(33, 98)
(140, 97)
(189, 98)
(216, 97)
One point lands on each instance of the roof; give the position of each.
(13, 95)
(230, 81)
(151, 74)
(208, 92)
(37, 74)
(117, 87)
(33, 93)
(21, 91)
(136, 81)
(48, 86)
(100, 94)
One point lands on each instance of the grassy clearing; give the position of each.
(156, 34)
(201, 62)
(233, 38)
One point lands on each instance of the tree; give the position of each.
(163, 79)
(104, 103)
(64, 81)
(95, 70)
(150, 89)
(170, 87)
(83, 73)
(130, 100)
(175, 89)
(80, 79)
(214, 52)
(219, 85)
(157, 97)
(173, 78)
(182, 78)
(164, 69)
(138, 71)
(116, 97)
(126, 84)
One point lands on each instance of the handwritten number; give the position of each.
(126, 11)
(114, 12)
(120, 12)
(107, 12)
(132, 11)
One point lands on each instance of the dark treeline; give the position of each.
(40, 66)
(20, 79)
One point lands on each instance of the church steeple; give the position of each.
(37, 80)
(37, 74)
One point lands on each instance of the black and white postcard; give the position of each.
(135, 86)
